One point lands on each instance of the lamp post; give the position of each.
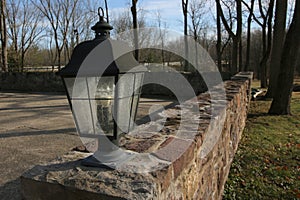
(103, 97)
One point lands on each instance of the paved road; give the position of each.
(36, 128)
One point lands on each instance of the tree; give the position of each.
(249, 22)
(291, 49)
(198, 24)
(184, 4)
(278, 41)
(266, 14)
(106, 9)
(236, 37)
(267, 42)
(161, 36)
(3, 36)
(58, 14)
(219, 39)
(123, 24)
(135, 28)
(24, 29)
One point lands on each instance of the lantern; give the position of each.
(103, 92)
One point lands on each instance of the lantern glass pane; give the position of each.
(139, 77)
(101, 87)
(83, 117)
(125, 85)
(133, 111)
(69, 82)
(77, 90)
(77, 87)
(123, 116)
(102, 104)
(103, 116)
(124, 93)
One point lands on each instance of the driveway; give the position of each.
(36, 128)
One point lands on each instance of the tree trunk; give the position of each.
(241, 56)
(219, 40)
(106, 10)
(246, 68)
(234, 55)
(278, 41)
(135, 29)
(239, 34)
(267, 45)
(263, 62)
(236, 37)
(3, 33)
(185, 26)
(282, 98)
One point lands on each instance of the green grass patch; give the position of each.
(267, 162)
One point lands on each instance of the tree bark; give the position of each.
(249, 22)
(106, 9)
(281, 102)
(219, 40)
(185, 26)
(278, 41)
(135, 29)
(3, 33)
(267, 42)
(236, 37)
(239, 34)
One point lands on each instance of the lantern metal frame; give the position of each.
(119, 68)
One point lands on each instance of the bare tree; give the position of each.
(219, 39)
(184, 4)
(58, 14)
(278, 41)
(13, 11)
(291, 49)
(3, 36)
(161, 36)
(236, 37)
(267, 42)
(106, 9)
(198, 24)
(266, 14)
(135, 27)
(249, 23)
(24, 29)
(81, 21)
(123, 24)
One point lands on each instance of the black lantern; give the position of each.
(103, 92)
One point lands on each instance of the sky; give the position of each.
(170, 10)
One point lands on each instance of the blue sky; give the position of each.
(170, 10)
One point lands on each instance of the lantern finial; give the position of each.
(101, 17)
(102, 28)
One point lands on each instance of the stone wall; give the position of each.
(50, 82)
(191, 164)
(31, 82)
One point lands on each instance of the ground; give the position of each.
(267, 163)
(36, 128)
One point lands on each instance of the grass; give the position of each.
(267, 163)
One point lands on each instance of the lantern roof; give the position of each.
(101, 58)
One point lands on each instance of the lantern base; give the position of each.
(107, 160)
